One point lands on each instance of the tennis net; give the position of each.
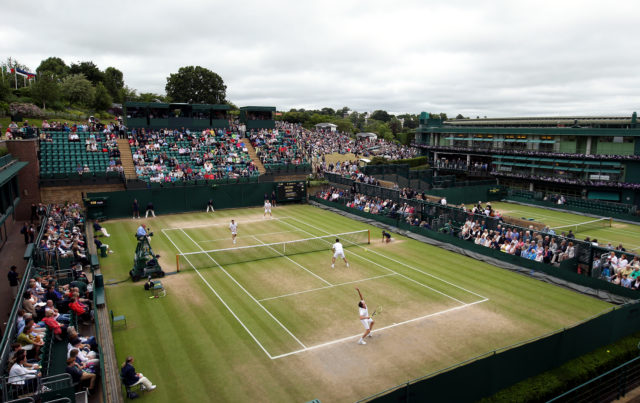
(241, 254)
(585, 226)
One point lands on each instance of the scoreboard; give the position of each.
(291, 191)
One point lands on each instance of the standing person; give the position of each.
(131, 378)
(34, 212)
(233, 227)
(273, 198)
(32, 233)
(365, 319)
(149, 209)
(136, 209)
(210, 206)
(13, 278)
(25, 232)
(338, 251)
(267, 209)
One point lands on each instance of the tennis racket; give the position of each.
(377, 311)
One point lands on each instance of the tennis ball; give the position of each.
(608, 351)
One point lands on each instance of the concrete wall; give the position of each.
(28, 177)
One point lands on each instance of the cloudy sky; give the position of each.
(487, 58)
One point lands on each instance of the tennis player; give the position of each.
(267, 209)
(366, 320)
(338, 251)
(233, 227)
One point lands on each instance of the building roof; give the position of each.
(543, 121)
(367, 134)
(326, 125)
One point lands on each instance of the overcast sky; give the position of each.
(486, 58)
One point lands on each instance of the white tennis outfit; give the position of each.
(267, 207)
(365, 322)
(234, 228)
(338, 251)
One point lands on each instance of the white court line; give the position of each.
(218, 224)
(393, 260)
(324, 288)
(247, 292)
(293, 261)
(378, 330)
(385, 268)
(266, 233)
(220, 298)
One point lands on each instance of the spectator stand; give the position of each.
(53, 353)
(417, 214)
(79, 157)
(177, 156)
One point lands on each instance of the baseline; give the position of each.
(314, 347)
(218, 224)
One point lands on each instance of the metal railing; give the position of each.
(609, 386)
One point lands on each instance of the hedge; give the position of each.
(550, 384)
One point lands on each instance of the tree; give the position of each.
(46, 88)
(5, 90)
(410, 121)
(195, 84)
(395, 126)
(327, 111)
(382, 116)
(113, 82)
(459, 116)
(341, 113)
(128, 94)
(90, 71)
(77, 89)
(151, 97)
(102, 99)
(55, 66)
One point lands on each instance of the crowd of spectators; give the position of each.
(173, 155)
(570, 181)
(533, 153)
(461, 164)
(617, 269)
(278, 146)
(51, 310)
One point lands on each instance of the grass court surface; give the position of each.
(285, 328)
(619, 233)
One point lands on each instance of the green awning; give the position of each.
(158, 105)
(546, 159)
(611, 163)
(575, 169)
(11, 171)
(610, 171)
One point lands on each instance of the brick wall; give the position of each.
(28, 177)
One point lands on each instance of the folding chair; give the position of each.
(115, 319)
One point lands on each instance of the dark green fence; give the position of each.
(489, 373)
(180, 199)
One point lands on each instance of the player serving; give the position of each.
(267, 208)
(366, 320)
(233, 227)
(338, 251)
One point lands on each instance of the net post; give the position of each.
(177, 263)
(368, 237)
(610, 221)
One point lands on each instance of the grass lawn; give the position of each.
(285, 328)
(619, 232)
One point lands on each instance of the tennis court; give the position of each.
(291, 283)
(618, 233)
(283, 326)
